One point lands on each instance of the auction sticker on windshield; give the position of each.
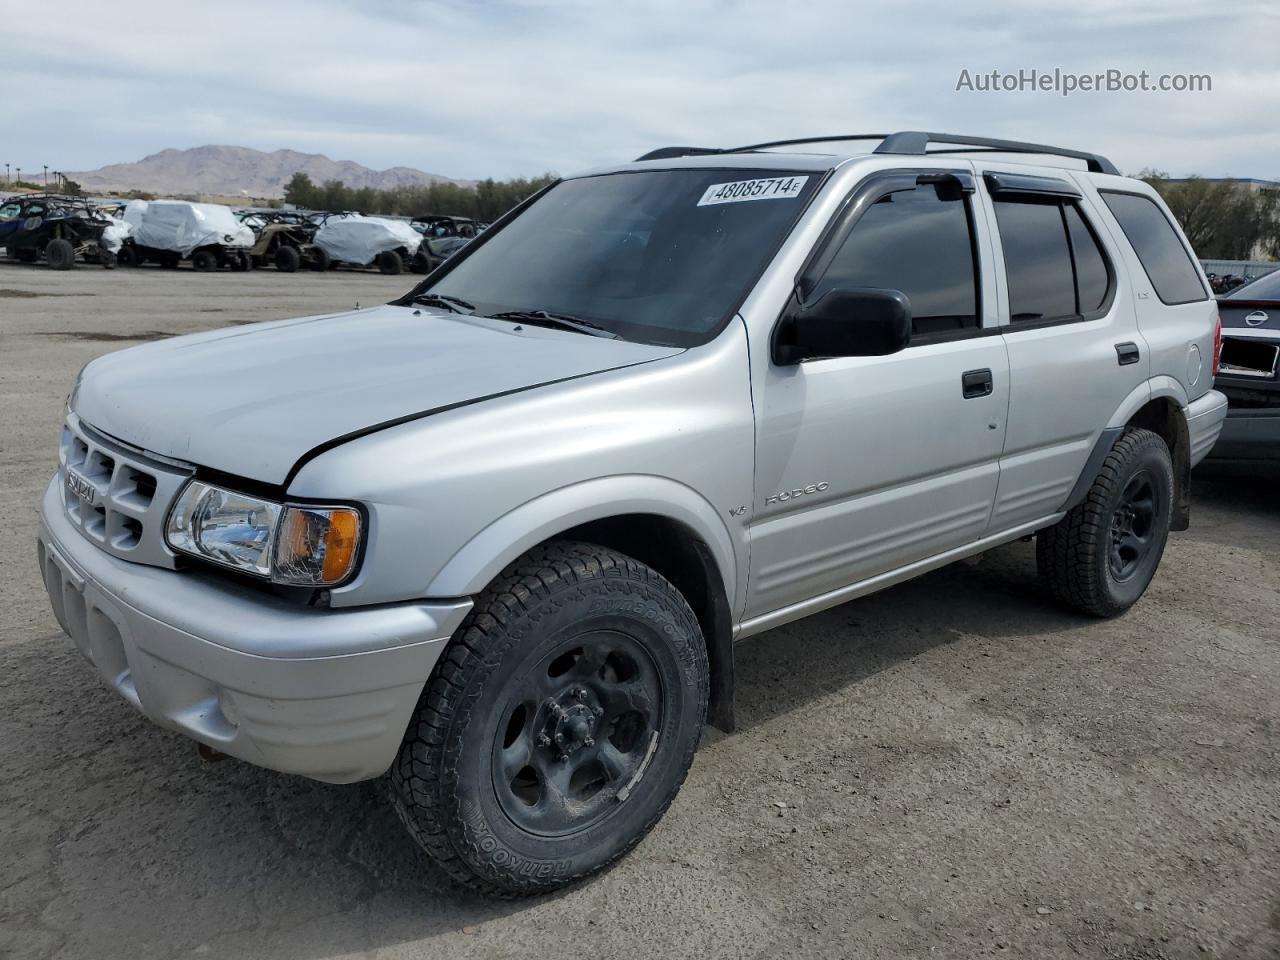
(774, 188)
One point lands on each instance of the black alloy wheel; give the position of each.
(578, 734)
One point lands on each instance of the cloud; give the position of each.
(511, 87)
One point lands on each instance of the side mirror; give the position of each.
(865, 322)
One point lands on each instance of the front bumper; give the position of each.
(323, 693)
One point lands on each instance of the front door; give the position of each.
(867, 464)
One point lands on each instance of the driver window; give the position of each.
(917, 242)
(9, 211)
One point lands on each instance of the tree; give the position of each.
(486, 200)
(1223, 219)
(300, 191)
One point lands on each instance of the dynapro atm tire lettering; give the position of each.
(786, 495)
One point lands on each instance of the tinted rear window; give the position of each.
(1091, 268)
(1037, 260)
(1158, 246)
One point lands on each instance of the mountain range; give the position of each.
(241, 171)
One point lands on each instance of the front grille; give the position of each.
(131, 493)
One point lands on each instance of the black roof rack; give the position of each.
(907, 143)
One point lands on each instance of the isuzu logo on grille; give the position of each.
(82, 487)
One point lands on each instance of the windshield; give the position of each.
(1264, 288)
(656, 256)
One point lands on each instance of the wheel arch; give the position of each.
(659, 522)
(1159, 405)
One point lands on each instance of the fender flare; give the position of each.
(1144, 393)
(1154, 389)
(485, 555)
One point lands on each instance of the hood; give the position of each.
(252, 400)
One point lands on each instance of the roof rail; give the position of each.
(666, 153)
(905, 142)
(915, 143)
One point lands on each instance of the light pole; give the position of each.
(46, 178)
(7, 181)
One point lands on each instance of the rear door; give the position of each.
(1075, 352)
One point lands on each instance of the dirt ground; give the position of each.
(966, 770)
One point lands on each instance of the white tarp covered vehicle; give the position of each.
(364, 240)
(171, 230)
(114, 236)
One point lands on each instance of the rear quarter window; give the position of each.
(1155, 240)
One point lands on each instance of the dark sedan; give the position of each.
(1250, 376)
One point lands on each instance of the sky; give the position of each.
(502, 88)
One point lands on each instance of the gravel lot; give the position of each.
(966, 770)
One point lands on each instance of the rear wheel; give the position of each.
(204, 261)
(320, 259)
(390, 262)
(127, 256)
(1101, 556)
(558, 725)
(420, 263)
(60, 254)
(287, 259)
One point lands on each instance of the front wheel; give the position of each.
(1101, 556)
(558, 725)
(390, 262)
(60, 254)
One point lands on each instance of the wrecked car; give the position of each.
(170, 231)
(285, 240)
(443, 236)
(360, 241)
(59, 230)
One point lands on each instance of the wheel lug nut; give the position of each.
(544, 740)
(580, 694)
(589, 742)
(559, 738)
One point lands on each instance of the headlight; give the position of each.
(287, 543)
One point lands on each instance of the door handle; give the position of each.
(977, 383)
(1127, 353)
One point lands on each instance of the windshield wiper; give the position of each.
(563, 321)
(443, 300)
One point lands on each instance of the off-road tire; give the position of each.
(204, 261)
(443, 784)
(60, 254)
(420, 263)
(287, 259)
(390, 262)
(1073, 557)
(127, 256)
(319, 259)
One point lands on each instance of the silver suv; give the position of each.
(496, 540)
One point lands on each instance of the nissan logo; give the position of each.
(1256, 319)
